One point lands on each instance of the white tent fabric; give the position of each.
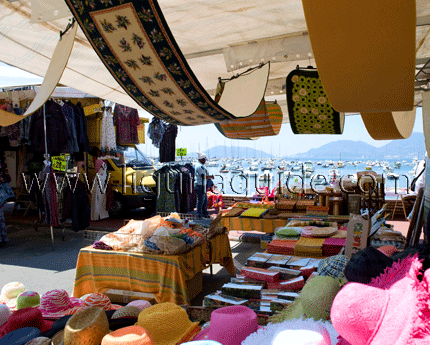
(213, 35)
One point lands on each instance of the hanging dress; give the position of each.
(98, 195)
(107, 136)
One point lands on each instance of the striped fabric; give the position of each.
(165, 276)
(266, 121)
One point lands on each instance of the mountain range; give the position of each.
(414, 146)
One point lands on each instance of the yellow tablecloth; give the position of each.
(248, 224)
(164, 276)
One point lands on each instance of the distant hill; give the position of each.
(412, 147)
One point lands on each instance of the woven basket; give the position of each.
(303, 204)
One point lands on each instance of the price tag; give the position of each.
(59, 163)
(181, 152)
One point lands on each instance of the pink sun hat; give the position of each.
(57, 303)
(391, 309)
(95, 299)
(230, 325)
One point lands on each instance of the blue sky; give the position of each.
(206, 136)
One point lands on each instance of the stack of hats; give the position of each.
(284, 247)
(333, 246)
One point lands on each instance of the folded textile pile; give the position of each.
(333, 246)
(309, 247)
(285, 247)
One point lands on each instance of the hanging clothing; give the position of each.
(81, 126)
(168, 144)
(49, 197)
(156, 131)
(56, 129)
(77, 205)
(126, 121)
(98, 195)
(69, 115)
(14, 131)
(3, 234)
(165, 179)
(107, 136)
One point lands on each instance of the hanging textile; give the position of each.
(77, 205)
(98, 194)
(126, 121)
(49, 196)
(81, 127)
(107, 136)
(168, 144)
(156, 131)
(309, 109)
(266, 121)
(69, 115)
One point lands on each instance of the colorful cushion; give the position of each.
(288, 232)
(253, 212)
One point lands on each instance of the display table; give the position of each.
(168, 277)
(257, 224)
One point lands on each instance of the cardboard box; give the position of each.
(217, 300)
(278, 260)
(286, 273)
(289, 285)
(242, 291)
(258, 260)
(357, 234)
(125, 297)
(260, 274)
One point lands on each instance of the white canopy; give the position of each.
(218, 38)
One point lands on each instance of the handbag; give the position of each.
(414, 180)
(6, 193)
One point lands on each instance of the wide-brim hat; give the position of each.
(57, 303)
(20, 336)
(139, 303)
(167, 324)
(28, 299)
(366, 264)
(127, 311)
(26, 317)
(132, 335)
(333, 266)
(392, 309)
(10, 292)
(95, 299)
(39, 341)
(299, 331)
(87, 327)
(230, 325)
(314, 301)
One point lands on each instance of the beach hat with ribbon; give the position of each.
(57, 303)
(297, 332)
(28, 299)
(95, 299)
(10, 292)
(26, 317)
(87, 327)
(366, 264)
(391, 309)
(230, 325)
(20, 336)
(132, 335)
(4, 314)
(314, 300)
(167, 324)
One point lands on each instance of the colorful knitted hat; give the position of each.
(366, 264)
(28, 299)
(96, 299)
(314, 300)
(167, 323)
(10, 292)
(298, 332)
(392, 309)
(333, 266)
(57, 303)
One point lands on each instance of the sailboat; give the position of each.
(340, 164)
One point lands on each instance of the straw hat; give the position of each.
(10, 292)
(57, 303)
(333, 266)
(28, 299)
(230, 325)
(4, 314)
(127, 311)
(39, 341)
(166, 323)
(297, 332)
(392, 309)
(87, 327)
(140, 303)
(20, 336)
(132, 335)
(26, 317)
